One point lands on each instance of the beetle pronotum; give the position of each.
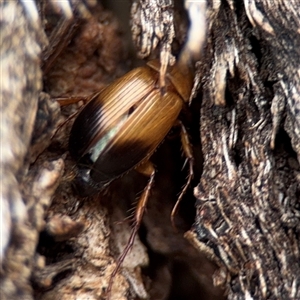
(121, 127)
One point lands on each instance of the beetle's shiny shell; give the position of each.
(127, 121)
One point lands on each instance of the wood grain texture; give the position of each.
(248, 203)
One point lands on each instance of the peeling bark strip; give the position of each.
(248, 215)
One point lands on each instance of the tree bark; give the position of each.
(248, 196)
(244, 242)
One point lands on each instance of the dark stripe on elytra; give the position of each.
(119, 160)
(85, 129)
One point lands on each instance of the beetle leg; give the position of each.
(64, 101)
(146, 169)
(164, 62)
(187, 149)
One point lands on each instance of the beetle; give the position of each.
(121, 127)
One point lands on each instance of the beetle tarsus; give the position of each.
(183, 191)
(187, 149)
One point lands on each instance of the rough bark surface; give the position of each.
(248, 196)
(55, 245)
(24, 195)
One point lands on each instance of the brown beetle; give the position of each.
(121, 127)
